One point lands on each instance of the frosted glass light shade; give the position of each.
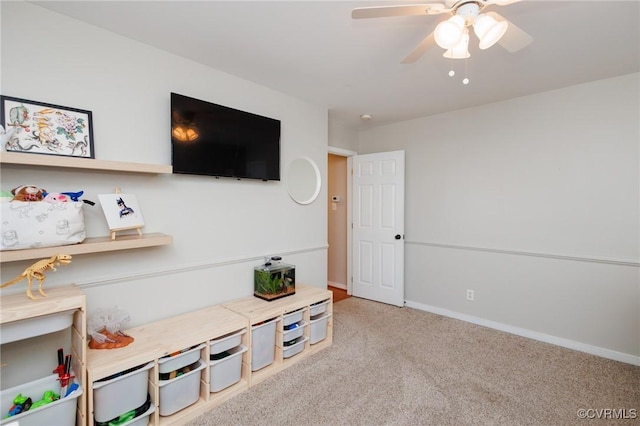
(460, 50)
(488, 30)
(448, 33)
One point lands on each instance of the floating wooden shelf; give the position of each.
(90, 245)
(17, 158)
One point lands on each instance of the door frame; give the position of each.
(349, 154)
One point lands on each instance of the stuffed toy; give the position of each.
(28, 193)
(55, 197)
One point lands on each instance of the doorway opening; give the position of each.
(339, 222)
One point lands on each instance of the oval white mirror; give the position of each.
(303, 180)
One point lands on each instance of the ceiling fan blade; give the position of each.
(399, 10)
(515, 38)
(420, 49)
(501, 2)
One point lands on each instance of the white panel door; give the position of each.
(378, 227)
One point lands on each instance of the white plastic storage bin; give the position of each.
(318, 308)
(293, 332)
(226, 342)
(295, 348)
(116, 396)
(181, 392)
(226, 371)
(263, 344)
(171, 363)
(141, 420)
(37, 326)
(290, 318)
(318, 328)
(62, 410)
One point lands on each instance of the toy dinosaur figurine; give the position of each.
(37, 271)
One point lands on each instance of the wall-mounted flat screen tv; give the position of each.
(215, 140)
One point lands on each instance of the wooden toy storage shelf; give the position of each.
(18, 160)
(258, 310)
(17, 307)
(155, 340)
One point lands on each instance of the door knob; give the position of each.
(398, 236)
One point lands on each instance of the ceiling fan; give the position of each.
(453, 34)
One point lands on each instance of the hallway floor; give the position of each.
(338, 294)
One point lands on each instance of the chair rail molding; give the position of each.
(570, 257)
(98, 282)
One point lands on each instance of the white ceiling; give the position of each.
(314, 51)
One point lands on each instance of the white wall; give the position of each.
(221, 227)
(342, 136)
(534, 204)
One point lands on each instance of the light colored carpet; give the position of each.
(402, 366)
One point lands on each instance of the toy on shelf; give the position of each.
(23, 403)
(20, 403)
(122, 212)
(64, 374)
(105, 329)
(47, 398)
(28, 193)
(37, 271)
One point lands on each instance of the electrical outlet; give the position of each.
(470, 295)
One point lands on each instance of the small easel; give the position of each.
(113, 231)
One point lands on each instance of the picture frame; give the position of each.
(41, 128)
(122, 212)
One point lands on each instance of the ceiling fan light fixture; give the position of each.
(184, 133)
(460, 50)
(488, 30)
(448, 33)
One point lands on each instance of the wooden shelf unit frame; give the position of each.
(155, 340)
(257, 310)
(17, 307)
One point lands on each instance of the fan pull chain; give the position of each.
(465, 80)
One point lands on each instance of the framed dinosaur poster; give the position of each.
(122, 212)
(41, 128)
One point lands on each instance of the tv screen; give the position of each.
(215, 140)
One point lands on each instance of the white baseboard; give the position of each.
(558, 341)
(337, 285)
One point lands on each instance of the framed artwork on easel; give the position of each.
(122, 212)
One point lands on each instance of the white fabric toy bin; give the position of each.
(292, 317)
(61, 412)
(295, 348)
(226, 371)
(318, 328)
(170, 363)
(226, 342)
(180, 392)
(263, 344)
(318, 308)
(120, 394)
